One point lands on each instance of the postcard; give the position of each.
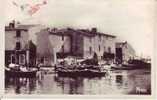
(79, 49)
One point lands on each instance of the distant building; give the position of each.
(124, 52)
(20, 47)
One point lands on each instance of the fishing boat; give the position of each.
(20, 72)
(82, 71)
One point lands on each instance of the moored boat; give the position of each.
(28, 73)
(120, 67)
(86, 72)
(137, 64)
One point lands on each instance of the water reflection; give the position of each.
(115, 82)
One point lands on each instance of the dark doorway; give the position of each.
(13, 59)
(119, 56)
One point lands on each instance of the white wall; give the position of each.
(95, 42)
(87, 43)
(127, 52)
(11, 39)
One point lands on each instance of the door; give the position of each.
(13, 59)
(119, 56)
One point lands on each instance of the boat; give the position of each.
(137, 64)
(82, 71)
(120, 67)
(107, 66)
(28, 73)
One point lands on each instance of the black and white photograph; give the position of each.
(79, 47)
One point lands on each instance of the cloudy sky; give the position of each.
(130, 20)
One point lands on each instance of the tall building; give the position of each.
(20, 47)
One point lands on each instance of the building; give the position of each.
(20, 47)
(124, 52)
(101, 44)
(30, 44)
(15, 45)
(52, 44)
(81, 43)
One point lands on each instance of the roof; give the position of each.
(108, 35)
(25, 26)
(55, 31)
(121, 43)
(70, 31)
(7, 28)
(85, 32)
(20, 27)
(90, 33)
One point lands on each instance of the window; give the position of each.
(18, 33)
(90, 50)
(99, 48)
(109, 49)
(63, 48)
(22, 59)
(12, 59)
(18, 46)
(62, 37)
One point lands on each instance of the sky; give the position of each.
(130, 20)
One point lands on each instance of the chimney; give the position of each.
(94, 30)
(12, 24)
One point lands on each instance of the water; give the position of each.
(115, 82)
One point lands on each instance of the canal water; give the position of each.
(115, 82)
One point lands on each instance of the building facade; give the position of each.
(19, 47)
(52, 44)
(59, 43)
(15, 45)
(100, 44)
(30, 44)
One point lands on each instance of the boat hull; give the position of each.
(140, 66)
(81, 73)
(28, 74)
(121, 68)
